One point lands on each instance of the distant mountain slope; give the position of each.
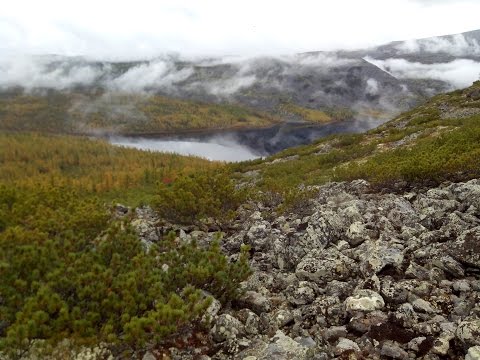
(371, 83)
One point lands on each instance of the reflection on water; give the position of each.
(210, 150)
(246, 144)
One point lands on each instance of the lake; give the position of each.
(244, 144)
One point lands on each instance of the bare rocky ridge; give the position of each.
(358, 275)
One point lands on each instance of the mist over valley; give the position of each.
(171, 94)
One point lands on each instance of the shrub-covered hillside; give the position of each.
(90, 166)
(87, 113)
(72, 267)
(437, 141)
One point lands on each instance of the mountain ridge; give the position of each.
(384, 79)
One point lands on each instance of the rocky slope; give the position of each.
(356, 274)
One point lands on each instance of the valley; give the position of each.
(323, 205)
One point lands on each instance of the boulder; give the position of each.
(364, 300)
(468, 332)
(473, 353)
(227, 328)
(324, 266)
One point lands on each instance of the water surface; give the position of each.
(246, 144)
(211, 150)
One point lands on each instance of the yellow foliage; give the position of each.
(29, 160)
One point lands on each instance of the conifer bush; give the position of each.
(68, 271)
(193, 197)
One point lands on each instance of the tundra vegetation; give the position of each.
(69, 268)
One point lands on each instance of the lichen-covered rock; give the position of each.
(364, 300)
(302, 294)
(255, 301)
(466, 248)
(323, 266)
(280, 346)
(374, 256)
(468, 332)
(392, 350)
(473, 353)
(358, 275)
(226, 328)
(212, 310)
(346, 345)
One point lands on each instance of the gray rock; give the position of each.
(461, 285)
(148, 356)
(212, 310)
(376, 255)
(326, 310)
(226, 328)
(283, 347)
(466, 248)
(255, 301)
(468, 332)
(423, 306)
(306, 341)
(257, 235)
(323, 266)
(334, 333)
(473, 353)
(364, 300)
(393, 350)
(468, 192)
(302, 295)
(345, 345)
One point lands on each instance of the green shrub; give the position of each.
(191, 198)
(69, 272)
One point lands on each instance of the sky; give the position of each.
(127, 30)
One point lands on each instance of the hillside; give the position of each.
(117, 113)
(436, 141)
(356, 246)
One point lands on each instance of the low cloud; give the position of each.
(372, 87)
(323, 59)
(219, 77)
(157, 74)
(43, 72)
(456, 45)
(459, 73)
